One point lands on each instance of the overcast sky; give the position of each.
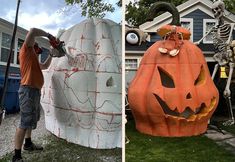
(47, 14)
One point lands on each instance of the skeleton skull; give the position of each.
(218, 9)
(81, 96)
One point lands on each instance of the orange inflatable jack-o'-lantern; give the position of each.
(172, 93)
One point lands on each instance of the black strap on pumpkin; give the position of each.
(2, 109)
(164, 6)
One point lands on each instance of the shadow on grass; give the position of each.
(145, 148)
(58, 150)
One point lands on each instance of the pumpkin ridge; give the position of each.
(146, 99)
(188, 51)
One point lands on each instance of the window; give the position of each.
(5, 49)
(188, 24)
(207, 25)
(132, 63)
(44, 55)
(19, 45)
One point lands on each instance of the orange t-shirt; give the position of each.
(31, 73)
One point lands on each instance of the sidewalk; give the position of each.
(227, 140)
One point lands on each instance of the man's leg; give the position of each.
(19, 138)
(28, 133)
(29, 145)
(28, 141)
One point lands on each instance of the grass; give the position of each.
(58, 150)
(145, 148)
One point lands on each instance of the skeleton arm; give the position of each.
(230, 34)
(198, 42)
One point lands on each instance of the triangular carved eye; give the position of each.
(201, 77)
(166, 79)
(110, 82)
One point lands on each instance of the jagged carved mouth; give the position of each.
(188, 113)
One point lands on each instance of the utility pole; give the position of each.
(2, 109)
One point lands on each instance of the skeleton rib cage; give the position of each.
(221, 36)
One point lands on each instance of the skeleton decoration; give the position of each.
(224, 56)
(81, 96)
(218, 8)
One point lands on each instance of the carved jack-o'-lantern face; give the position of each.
(172, 93)
(188, 108)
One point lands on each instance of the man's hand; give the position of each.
(53, 40)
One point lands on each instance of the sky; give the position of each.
(49, 15)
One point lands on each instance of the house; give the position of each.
(196, 15)
(6, 30)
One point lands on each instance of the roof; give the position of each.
(138, 48)
(21, 31)
(184, 9)
(9, 25)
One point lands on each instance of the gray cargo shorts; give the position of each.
(29, 101)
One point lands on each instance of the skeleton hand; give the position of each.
(196, 43)
(227, 92)
(229, 122)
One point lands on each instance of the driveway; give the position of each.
(7, 132)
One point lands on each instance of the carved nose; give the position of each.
(188, 96)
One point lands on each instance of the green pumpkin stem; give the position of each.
(164, 6)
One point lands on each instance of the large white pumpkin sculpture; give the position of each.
(81, 96)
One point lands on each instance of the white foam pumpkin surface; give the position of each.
(81, 96)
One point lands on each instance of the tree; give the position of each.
(230, 5)
(137, 11)
(92, 8)
(119, 3)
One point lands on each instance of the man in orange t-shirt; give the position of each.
(29, 92)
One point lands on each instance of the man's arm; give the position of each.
(30, 37)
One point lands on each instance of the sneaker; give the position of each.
(33, 147)
(17, 159)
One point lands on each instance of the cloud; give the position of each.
(10, 15)
(43, 20)
(41, 14)
(48, 15)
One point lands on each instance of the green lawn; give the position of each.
(145, 148)
(58, 150)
